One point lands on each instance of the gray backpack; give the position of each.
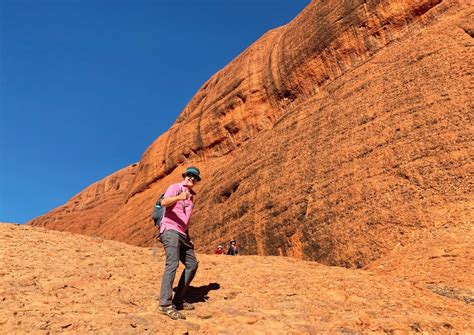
(158, 211)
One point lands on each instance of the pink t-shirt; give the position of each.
(177, 216)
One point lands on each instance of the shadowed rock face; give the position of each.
(333, 138)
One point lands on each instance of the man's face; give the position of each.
(190, 180)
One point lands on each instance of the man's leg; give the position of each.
(171, 244)
(188, 258)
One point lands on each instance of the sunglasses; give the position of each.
(193, 177)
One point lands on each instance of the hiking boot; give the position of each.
(172, 312)
(184, 306)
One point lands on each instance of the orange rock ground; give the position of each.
(56, 282)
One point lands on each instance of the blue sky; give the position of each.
(86, 86)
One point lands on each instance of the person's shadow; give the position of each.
(199, 294)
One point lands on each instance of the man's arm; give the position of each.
(170, 201)
(173, 194)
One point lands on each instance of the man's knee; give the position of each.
(172, 259)
(172, 264)
(193, 266)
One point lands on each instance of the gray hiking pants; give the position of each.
(176, 249)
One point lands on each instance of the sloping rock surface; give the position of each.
(87, 211)
(56, 282)
(333, 138)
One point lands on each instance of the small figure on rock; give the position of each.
(233, 249)
(219, 250)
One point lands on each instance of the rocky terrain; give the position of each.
(57, 282)
(335, 138)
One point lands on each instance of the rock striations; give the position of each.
(333, 138)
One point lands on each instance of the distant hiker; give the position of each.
(233, 250)
(178, 201)
(219, 250)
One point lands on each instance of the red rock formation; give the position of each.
(87, 211)
(332, 138)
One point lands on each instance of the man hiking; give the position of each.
(233, 250)
(178, 201)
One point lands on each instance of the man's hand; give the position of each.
(189, 241)
(183, 195)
